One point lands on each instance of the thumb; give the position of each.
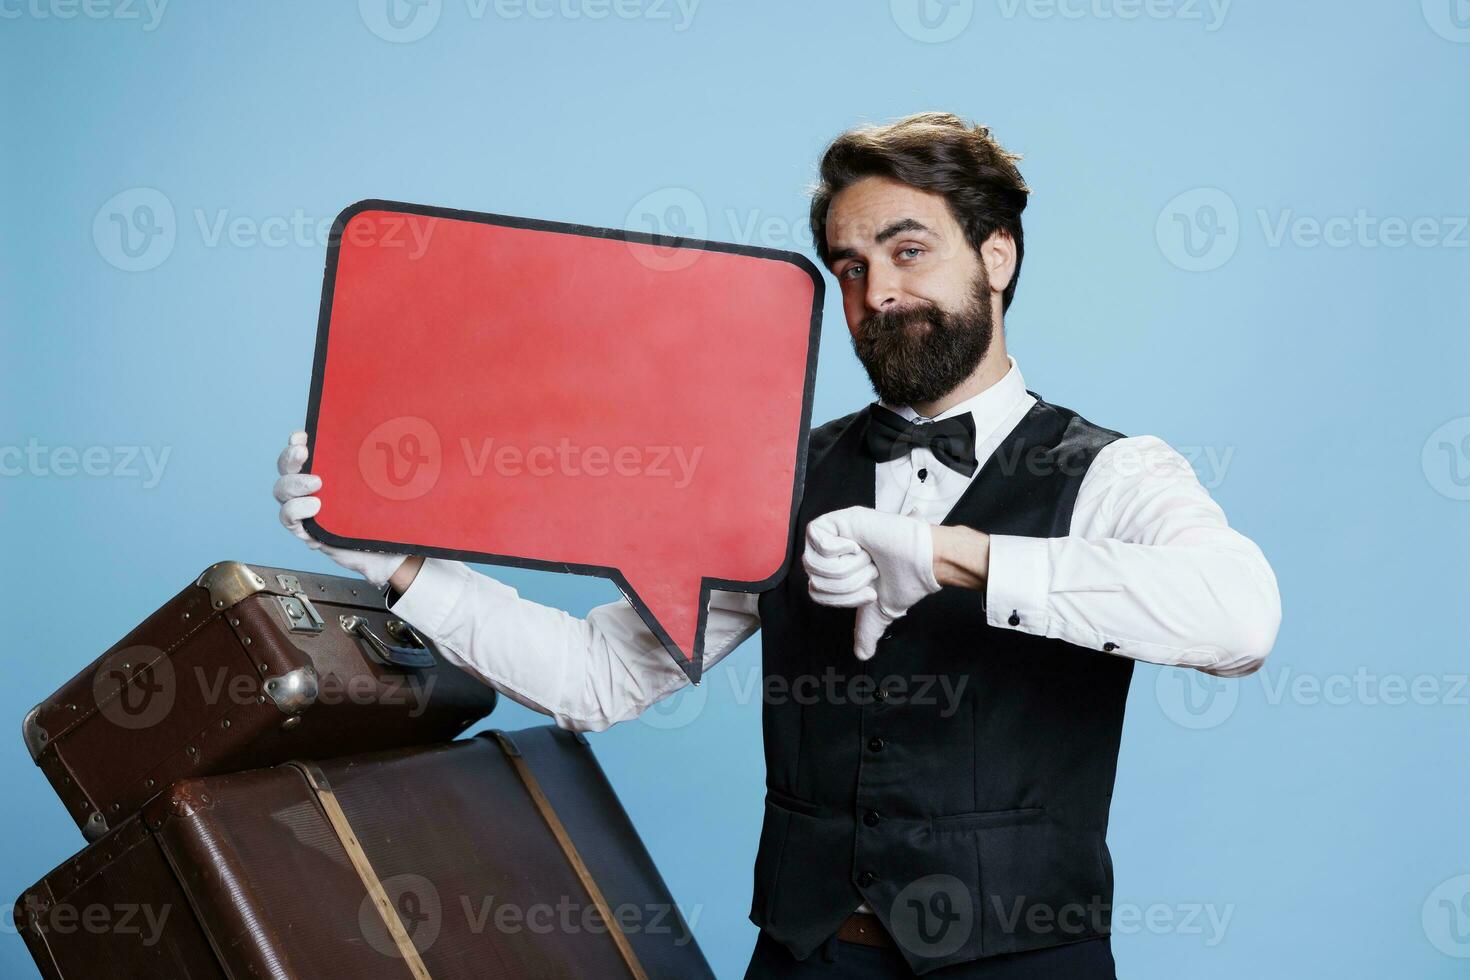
(871, 624)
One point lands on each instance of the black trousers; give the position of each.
(1090, 959)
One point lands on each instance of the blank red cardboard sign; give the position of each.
(522, 392)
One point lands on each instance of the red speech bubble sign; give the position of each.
(531, 393)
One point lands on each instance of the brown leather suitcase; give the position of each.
(492, 857)
(247, 667)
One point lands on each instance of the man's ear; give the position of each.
(998, 255)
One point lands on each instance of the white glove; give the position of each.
(294, 491)
(880, 564)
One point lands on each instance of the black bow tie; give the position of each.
(952, 441)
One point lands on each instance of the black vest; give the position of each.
(959, 781)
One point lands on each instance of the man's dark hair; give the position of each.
(937, 152)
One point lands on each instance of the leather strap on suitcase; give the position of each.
(543, 806)
(319, 785)
(363, 866)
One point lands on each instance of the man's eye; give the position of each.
(914, 249)
(848, 273)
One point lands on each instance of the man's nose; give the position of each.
(883, 292)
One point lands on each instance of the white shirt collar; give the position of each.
(989, 407)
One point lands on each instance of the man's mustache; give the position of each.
(887, 320)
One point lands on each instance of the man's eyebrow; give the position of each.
(902, 224)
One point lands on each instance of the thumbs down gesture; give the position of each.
(879, 564)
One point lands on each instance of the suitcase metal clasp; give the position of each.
(301, 615)
(409, 651)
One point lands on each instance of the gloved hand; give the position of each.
(294, 491)
(880, 564)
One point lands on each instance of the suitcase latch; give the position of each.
(301, 615)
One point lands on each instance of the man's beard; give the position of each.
(910, 363)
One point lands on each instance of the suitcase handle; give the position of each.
(411, 651)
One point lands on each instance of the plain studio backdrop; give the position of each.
(1248, 235)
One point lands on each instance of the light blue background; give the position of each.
(1327, 828)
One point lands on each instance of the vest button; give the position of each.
(871, 818)
(866, 879)
(875, 744)
(1110, 647)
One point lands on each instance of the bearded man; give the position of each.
(961, 534)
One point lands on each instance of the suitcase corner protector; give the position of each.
(295, 691)
(228, 582)
(36, 737)
(183, 798)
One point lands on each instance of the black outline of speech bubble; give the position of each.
(692, 667)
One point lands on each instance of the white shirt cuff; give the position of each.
(1018, 583)
(437, 589)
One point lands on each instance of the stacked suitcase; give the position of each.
(265, 768)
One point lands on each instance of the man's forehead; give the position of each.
(873, 210)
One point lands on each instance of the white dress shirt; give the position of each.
(1150, 570)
